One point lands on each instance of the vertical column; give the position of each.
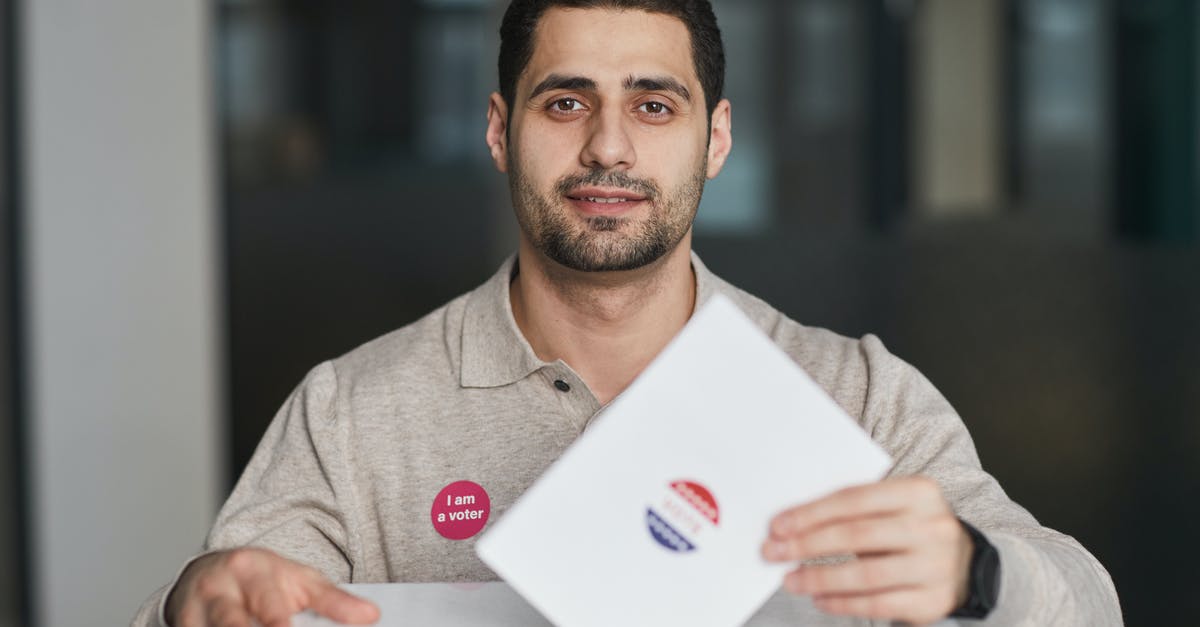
(1157, 125)
(888, 31)
(957, 150)
(121, 267)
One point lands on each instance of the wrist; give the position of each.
(176, 593)
(966, 552)
(980, 589)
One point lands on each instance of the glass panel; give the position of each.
(739, 200)
(822, 68)
(353, 136)
(1063, 115)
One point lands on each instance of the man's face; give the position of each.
(607, 144)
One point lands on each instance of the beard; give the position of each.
(605, 243)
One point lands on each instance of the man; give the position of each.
(608, 122)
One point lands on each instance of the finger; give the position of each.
(269, 604)
(885, 534)
(227, 612)
(334, 603)
(873, 499)
(861, 576)
(911, 605)
(190, 615)
(206, 591)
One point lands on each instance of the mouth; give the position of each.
(598, 201)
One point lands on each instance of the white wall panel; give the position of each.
(120, 238)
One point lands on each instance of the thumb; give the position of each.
(334, 603)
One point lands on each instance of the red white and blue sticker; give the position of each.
(684, 514)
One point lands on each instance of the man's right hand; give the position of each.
(233, 588)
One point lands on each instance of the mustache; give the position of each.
(608, 178)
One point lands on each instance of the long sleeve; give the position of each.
(292, 496)
(1047, 578)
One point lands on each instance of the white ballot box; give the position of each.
(498, 605)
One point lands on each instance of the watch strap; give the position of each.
(983, 577)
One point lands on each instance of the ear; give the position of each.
(720, 140)
(497, 131)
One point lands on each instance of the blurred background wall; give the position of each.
(1004, 190)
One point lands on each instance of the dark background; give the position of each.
(1059, 314)
(11, 522)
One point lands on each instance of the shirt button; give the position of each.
(562, 385)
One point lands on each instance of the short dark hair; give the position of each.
(520, 25)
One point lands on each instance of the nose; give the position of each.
(608, 144)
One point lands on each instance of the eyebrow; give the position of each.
(558, 81)
(631, 83)
(658, 83)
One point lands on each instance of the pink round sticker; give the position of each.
(460, 510)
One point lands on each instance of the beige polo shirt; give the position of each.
(346, 474)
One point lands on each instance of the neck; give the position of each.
(608, 326)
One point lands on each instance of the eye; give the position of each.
(655, 109)
(566, 105)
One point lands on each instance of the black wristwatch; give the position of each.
(983, 586)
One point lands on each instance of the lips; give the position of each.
(604, 201)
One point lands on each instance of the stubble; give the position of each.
(605, 243)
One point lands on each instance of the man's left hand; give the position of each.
(911, 554)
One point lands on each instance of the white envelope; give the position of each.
(657, 514)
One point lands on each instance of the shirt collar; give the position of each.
(495, 353)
